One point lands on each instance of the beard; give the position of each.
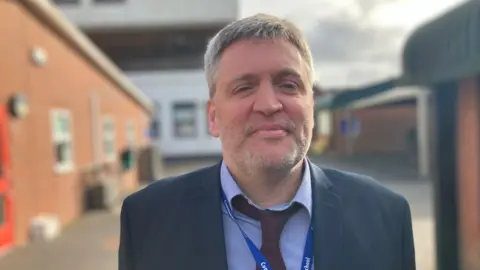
(274, 160)
(277, 158)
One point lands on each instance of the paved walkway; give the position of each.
(91, 243)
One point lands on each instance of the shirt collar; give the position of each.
(303, 195)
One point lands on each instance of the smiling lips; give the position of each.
(271, 131)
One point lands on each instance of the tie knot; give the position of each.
(243, 206)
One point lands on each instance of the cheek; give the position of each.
(232, 117)
(299, 113)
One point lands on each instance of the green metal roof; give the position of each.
(446, 48)
(342, 98)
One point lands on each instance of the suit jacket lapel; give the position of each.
(327, 225)
(207, 222)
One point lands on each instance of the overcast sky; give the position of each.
(354, 42)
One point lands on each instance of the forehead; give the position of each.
(259, 57)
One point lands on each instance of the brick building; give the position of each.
(372, 122)
(383, 129)
(65, 111)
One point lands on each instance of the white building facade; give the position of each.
(160, 46)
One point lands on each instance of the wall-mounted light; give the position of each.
(18, 106)
(39, 56)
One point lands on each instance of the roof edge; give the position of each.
(47, 13)
(341, 99)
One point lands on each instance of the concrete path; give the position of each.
(89, 244)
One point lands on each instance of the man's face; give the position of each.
(262, 108)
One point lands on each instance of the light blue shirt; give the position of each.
(292, 240)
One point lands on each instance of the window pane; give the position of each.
(65, 124)
(155, 129)
(61, 124)
(62, 152)
(57, 124)
(109, 147)
(185, 124)
(184, 114)
(108, 126)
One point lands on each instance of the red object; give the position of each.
(6, 204)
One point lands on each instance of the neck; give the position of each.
(267, 189)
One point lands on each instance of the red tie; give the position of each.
(272, 223)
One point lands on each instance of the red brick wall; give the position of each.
(383, 130)
(66, 81)
(468, 145)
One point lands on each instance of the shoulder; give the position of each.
(169, 190)
(364, 189)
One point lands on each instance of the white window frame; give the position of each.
(109, 136)
(60, 136)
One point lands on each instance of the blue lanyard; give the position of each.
(307, 261)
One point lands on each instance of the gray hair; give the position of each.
(260, 26)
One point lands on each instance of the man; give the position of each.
(265, 205)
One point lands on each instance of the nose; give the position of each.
(266, 99)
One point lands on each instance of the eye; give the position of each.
(242, 88)
(289, 85)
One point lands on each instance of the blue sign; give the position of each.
(352, 127)
(343, 127)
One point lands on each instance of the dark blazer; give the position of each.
(176, 223)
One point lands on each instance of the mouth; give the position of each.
(271, 131)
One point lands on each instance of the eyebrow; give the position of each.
(244, 77)
(286, 72)
(279, 74)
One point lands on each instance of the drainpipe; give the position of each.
(95, 108)
(349, 134)
(423, 141)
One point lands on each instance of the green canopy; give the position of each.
(341, 98)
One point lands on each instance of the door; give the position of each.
(6, 211)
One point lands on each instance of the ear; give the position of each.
(212, 119)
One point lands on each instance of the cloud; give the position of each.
(368, 6)
(352, 41)
(340, 39)
(361, 52)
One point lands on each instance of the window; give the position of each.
(156, 124)
(185, 124)
(109, 147)
(62, 140)
(130, 133)
(155, 129)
